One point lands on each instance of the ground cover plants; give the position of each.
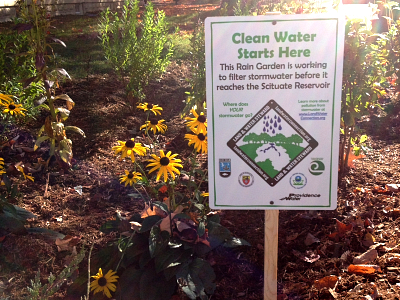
(92, 226)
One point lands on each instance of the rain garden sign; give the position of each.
(273, 100)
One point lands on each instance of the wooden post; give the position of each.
(271, 254)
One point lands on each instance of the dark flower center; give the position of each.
(129, 144)
(164, 161)
(102, 281)
(201, 137)
(11, 107)
(201, 119)
(153, 121)
(130, 175)
(149, 106)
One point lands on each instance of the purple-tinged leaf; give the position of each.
(27, 82)
(48, 84)
(39, 61)
(22, 27)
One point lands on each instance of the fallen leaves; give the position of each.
(366, 257)
(363, 269)
(326, 282)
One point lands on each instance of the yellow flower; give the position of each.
(165, 164)
(103, 283)
(151, 107)
(198, 124)
(130, 177)
(11, 107)
(199, 140)
(154, 125)
(29, 176)
(129, 148)
(6, 98)
(205, 194)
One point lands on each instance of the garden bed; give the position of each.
(364, 200)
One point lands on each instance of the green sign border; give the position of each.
(333, 107)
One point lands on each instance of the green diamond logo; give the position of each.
(272, 143)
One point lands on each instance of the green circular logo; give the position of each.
(316, 167)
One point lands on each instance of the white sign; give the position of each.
(273, 99)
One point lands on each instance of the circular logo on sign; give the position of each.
(316, 167)
(246, 179)
(298, 180)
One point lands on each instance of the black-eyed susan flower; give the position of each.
(154, 125)
(151, 107)
(2, 171)
(104, 283)
(29, 176)
(165, 164)
(199, 140)
(10, 107)
(129, 148)
(198, 124)
(130, 177)
(5, 98)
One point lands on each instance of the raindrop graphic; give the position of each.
(275, 117)
(263, 122)
(280, 127)
(273, 131)
(265, 117)
(271, 121)
(264, 129)
(270, 127)
(279, 119)
(275, 124)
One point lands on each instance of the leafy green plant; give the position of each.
(196, 98)
(37, 24)
(15, 66)
(39, 291)
(164, 247)
(363, 83)
(137, 48)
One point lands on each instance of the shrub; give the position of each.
(137, 48)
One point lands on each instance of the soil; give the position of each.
(364, 200)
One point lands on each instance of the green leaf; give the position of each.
(52, 147)
(235, 242)
(199, 279)
(110, 226)
(363, 138)
(149, 222)
(161, 205)
(158, 240)
(47, 232)
(75, 129)
(64, 113)
(201, 228)
(19, 213)
(129, 286)
(66, 98)
(139, 245)
(154, 286)
(217, 234)
(12, 224)
(356, 150)
(39, 141)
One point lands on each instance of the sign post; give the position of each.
(273, 99)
